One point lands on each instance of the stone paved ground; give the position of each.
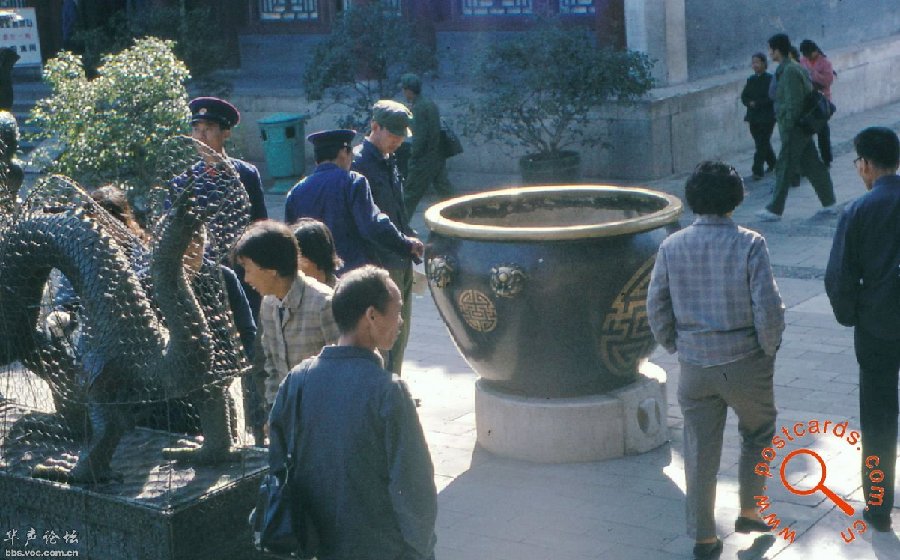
(632, 508)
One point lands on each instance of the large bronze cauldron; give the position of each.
(544, 288)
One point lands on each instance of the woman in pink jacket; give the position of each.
(822, 75)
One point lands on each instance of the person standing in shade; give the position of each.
(713, 299)
(821, 73)
(760, 115)
(427, 165)
(375, 159)
(862, 281)
(363, 470)
(798, 154)
(342, 200)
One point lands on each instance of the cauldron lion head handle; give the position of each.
(440, 271)
(507, 280)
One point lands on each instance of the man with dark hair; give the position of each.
(342, 200)
(427, 165)
(295, 317)
(713, 299)
(863, 284)
(363, 466)
(375, 159)
(798, 155)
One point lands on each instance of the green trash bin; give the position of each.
(283, 138)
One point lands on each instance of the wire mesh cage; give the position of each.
(119, 354)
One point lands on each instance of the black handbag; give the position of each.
(450, 145)
(816, 112)
(280, 522)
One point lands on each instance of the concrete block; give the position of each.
(629, 420)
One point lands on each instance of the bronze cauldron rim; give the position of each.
(439, 223)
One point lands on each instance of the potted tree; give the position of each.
(537, 91)
(361, 61)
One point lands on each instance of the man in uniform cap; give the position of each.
(375, 159)
(211, 122)
(342, 200)
(427, 165)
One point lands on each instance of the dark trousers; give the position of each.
(764, 154)
(798, 157)
(403, 277)
(423, 173)
(824, 140)
(879, 364)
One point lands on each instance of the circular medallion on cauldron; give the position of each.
(625, 336)
(477, 310)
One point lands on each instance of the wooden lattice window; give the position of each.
(577, 7)
(496, 7)
(288, 10)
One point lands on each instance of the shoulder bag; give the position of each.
(280, 522)
(450, 145)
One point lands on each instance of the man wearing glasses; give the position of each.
(863, 286)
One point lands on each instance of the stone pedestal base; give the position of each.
(626, 421)
(160, 510)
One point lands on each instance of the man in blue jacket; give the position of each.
(375, 159)
(363, 468)
(342, 200)
(863, 285)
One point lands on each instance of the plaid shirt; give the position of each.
(712, 294)
(295, 328)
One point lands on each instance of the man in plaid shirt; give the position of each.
(295, 316)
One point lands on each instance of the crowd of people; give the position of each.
(331, 315)
(713, 299)
(782, 98)
(324, 302)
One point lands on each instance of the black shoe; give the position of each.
(881, 523)
(708, 551)
(747, 525)
(796, 182)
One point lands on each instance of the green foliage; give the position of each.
(362, 59)
(197, 42)
(116, 127)
(537, 90)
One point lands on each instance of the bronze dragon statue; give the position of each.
(145, 336)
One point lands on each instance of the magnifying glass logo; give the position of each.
(820, 486)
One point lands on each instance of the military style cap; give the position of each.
(393, 116)
(214, 110)
(411, 81)
(341, 137)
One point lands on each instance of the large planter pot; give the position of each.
(551, 169)
(544, 288)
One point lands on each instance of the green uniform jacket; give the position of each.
(426, 127)
(793, 86)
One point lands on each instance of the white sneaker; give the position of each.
(766, 216)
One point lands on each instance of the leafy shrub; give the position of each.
(537, 90)
(116, 127)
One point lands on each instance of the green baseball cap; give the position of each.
(393, 116)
